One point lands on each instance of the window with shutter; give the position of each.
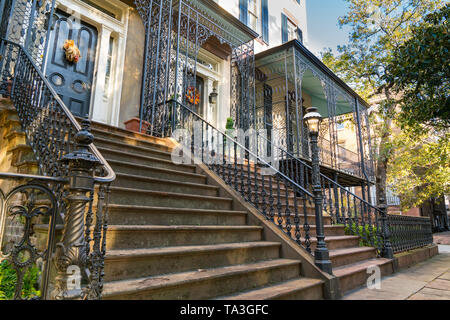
(265, 21)
(284, 29)
(243, 11)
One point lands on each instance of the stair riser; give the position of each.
(152, 239)
(282, 211)
(312, 231)
(148, 172)
(206, 289)
(172, 219)
(128, 139)
(165, 186)
(152, 162)
(162, 200)
(338, 261)
(337, 244)
(358, 279)
(147, 151)
(312, 293)
(163, 264)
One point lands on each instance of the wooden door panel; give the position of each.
(73, 81)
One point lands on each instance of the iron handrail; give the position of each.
(259, 159)
(321, 174)
(111, 175)
(11, 175)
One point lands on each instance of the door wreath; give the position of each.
(193, 95)
(72, 52)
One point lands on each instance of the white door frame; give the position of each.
(104, 106)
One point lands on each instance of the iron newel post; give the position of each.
(321, 254)
(71, 250)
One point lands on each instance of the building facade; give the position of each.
(184, 70)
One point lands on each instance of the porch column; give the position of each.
(100, 104)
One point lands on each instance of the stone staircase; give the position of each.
(172, 236)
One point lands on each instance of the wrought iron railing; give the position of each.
(273, 193)
(344, 207)
(337, 157)
(63, 149)
(408, 232)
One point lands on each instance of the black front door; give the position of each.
(72, 81)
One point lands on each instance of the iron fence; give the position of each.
(407, 232)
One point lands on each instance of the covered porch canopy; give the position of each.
(289, 79)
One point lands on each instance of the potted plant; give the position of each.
(229, 128)
(134, 123)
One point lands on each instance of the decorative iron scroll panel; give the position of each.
(27, 23)
(27, 240)
(175, 33)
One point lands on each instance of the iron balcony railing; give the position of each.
(409, 232)
(63, 149)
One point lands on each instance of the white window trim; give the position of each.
(108, 111)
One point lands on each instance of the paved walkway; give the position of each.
(427, 280)
(442, 238)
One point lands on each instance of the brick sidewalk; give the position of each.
(428, 280)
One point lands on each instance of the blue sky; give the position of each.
(323, 28)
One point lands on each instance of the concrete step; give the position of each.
(124, 156)
(147, 215)
(355, 275)
(135, 237)
(147, 183)
(168, 199)
(204, 284)
(129, 137)
(155, 261)
(148, 171)
(329, 230)
(282, 210)
(346, 256)
(149, 151)
(297, 289)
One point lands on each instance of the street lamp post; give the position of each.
(321, 254)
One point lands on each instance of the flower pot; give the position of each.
(133, 125)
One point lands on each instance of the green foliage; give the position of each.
(420, 72)
(8, 279)
(377, 28)
(230, 123)
(420, 168)
(365, 233)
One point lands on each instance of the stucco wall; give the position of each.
(132, 78)
(276, 7)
